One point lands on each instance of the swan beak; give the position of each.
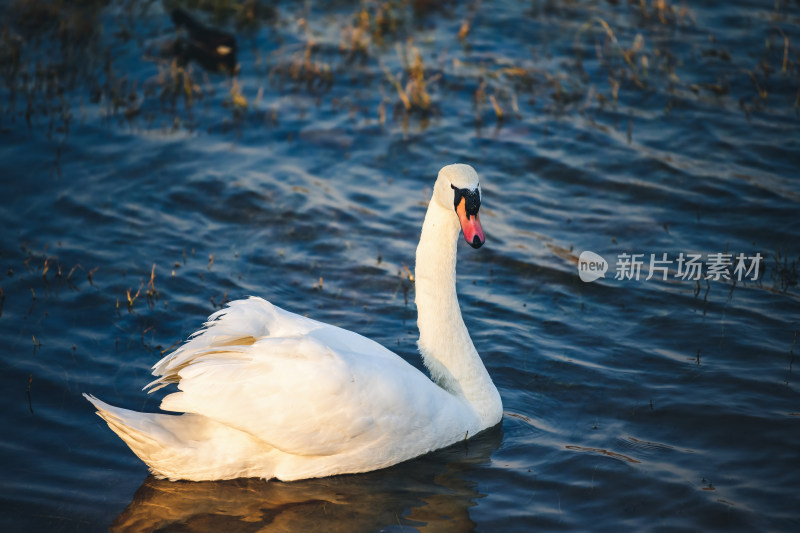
(470, 225)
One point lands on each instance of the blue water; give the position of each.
(629, 405)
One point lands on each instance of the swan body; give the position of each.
(268, 393)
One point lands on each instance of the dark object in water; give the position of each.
(213, 49)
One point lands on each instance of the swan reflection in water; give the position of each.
(428, 493)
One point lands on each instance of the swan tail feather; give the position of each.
(184, 446)
(142, 432)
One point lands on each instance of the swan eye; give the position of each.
(472, 199)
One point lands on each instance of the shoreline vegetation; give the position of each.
(386, 63)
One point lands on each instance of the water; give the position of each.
(629, 404)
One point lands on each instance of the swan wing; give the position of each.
(301, 386)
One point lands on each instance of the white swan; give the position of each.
(267, 393)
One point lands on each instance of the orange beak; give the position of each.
(471, 226)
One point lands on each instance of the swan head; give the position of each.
(458, 188)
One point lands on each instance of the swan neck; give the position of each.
(444, 342)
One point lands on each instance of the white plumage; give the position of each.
(268, 393)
